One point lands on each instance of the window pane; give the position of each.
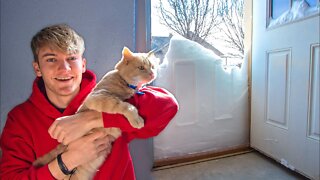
(278, 7)
(312, 3)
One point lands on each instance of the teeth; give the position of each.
(63, 78)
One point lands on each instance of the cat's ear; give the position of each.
(126, 53)
(126, 56)
(156, 61)
(152, 55)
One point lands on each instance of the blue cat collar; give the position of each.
(135, 88)
(132, 86)
(140, 93)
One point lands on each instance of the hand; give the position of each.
(87, 148)
(83, 150)
(68, 128)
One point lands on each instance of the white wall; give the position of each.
(106, 26)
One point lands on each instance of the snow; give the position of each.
(299, 10)
(213, 102)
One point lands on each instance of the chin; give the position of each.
(67, 91)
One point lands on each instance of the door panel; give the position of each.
(278, 70)
(313, 116)
(285, 90)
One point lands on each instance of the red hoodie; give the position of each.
(25, 136)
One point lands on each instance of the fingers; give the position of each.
(105, 152)
(58, 129)
(56, 132)
(55, 129)
(69, 128)
(52, 128)
(61, 137)
(104, 141)
(94, 135)
(91, 146)
(104, 145)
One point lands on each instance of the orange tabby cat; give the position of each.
(132, 72)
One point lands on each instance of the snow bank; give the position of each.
(300, 9)
(213, 102)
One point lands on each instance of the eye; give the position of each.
(141, 68)
(51, 60)
(72, 58)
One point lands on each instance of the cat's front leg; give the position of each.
(131, 113)
(111, 104)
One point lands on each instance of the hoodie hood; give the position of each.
(38, 97)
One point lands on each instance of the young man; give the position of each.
(46, 119)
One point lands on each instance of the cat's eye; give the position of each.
(141, 68)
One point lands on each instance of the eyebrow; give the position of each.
(49, 54)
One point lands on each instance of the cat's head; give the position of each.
(137, 68)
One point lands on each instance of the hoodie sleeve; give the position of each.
(156, 106)
(18, 155)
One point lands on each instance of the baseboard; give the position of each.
(199, 157)
(271, 158)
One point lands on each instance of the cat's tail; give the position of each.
(45, 159)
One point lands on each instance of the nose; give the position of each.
(64, 65)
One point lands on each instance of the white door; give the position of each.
(285, 83)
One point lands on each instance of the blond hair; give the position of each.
(59, 37)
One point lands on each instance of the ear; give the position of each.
(150, 54)
(36, 69)
(84, 65)
(157, 61)
(126, 53)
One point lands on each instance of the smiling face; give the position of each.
(61, 73)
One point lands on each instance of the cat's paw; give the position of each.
(138, 122)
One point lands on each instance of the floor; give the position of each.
(248, 166)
